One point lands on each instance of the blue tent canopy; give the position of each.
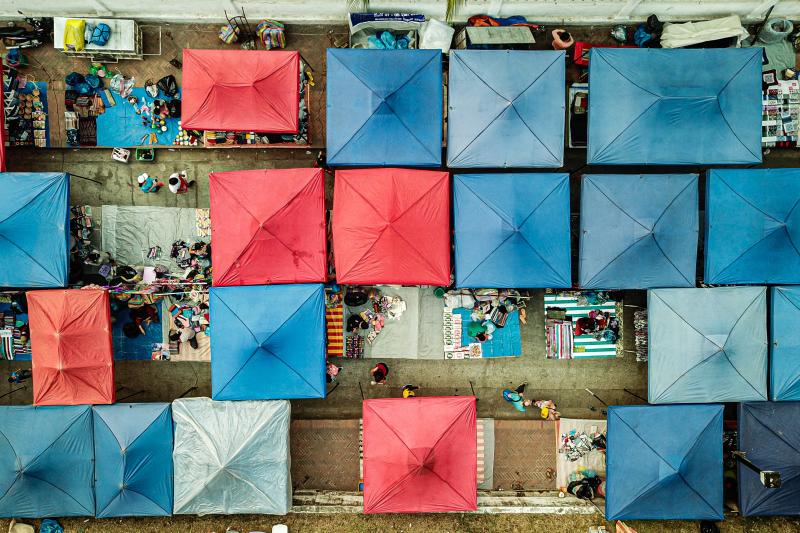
(664, 462)
(674, 107)
(384, 107)
(268, 342)
(34, 229)
(46, 461)
(638, 231)
(753, 226)
(512, 230)
(784, 378)
(769, 433)
(133, 459)
(707, 345)
(505, 108)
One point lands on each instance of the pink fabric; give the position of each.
(420, 455)
(392, 226)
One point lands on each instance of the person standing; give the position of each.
(20, 376)
(410, 391)
(148, 183)
(516, 397)
(379, 374)
(178, 183)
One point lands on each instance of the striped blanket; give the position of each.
(334, 324)
(586, 346)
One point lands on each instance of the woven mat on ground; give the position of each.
(325, 454)
(524, 455)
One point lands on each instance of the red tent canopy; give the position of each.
(268, 226)
(241, 90)
(71, 343)
(420, 455)
(392, 225)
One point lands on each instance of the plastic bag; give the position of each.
(101, 34)
(73, 35)
(435, 34)
(122, 85)
(168, 85)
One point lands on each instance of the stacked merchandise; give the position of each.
(780, 119)
(25, 107)
(640, 334)
(451, 328)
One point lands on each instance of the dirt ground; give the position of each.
(450, 523)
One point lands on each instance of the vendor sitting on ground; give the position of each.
(481, 331)
(140, 317)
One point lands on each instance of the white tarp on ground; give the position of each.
(231, 457)
(689, 33)
(129, 231)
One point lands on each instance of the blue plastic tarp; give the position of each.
(268, 342)
(664, 462)
(46, 461)
(752, 226)
(784, 377)
(638, 231)
(674, 107)
(120, 125)
(384, 107)
(133, 459)
(707, 345)
(769, 433)
(512, 230)
(34, 229)
(505, 108)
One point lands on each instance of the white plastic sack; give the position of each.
(231, 457)
(435, 34)
(689, 33)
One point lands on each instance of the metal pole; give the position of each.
(361, 389)
(190, 389)
(635, 395)
(130, 395)
(596, 396)
(13, 391)
(84, 178)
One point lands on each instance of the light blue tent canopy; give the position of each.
(46, 461)
(232, 457)
(133, 459)
(674, 107)
(753, 226)
(384, 107)
(638, 231)
(268, 342)
(707, 345)
(512, 230)
(34, 229)
(769, 433)
(784, 378)
(664, 462)
(505, 108)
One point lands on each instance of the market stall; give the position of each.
(46, 461)
(512, 230)
(664, 462)
(133, 459)
(420, 455)
(638, 231)
(241, 90)
(675, 107)
(582, 325)
(392, 226)
(707, 345)
(231, 457)
(505, 108)
(769, 436)
(384, 107)
(752, 226)
(71, 342)
(34, 229)
(784, 347)
(269, 226)
(268, 342)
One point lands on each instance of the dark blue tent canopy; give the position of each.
(133, 459)
(784, 379)
(34, 229)
(384, 107)
(769, 433)
(512, 230)
(505, 108)
(268, 342)
(674, 107)
(707, 345)
(46, 461)
(638, 231)
(664, 462)
(753, 226)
